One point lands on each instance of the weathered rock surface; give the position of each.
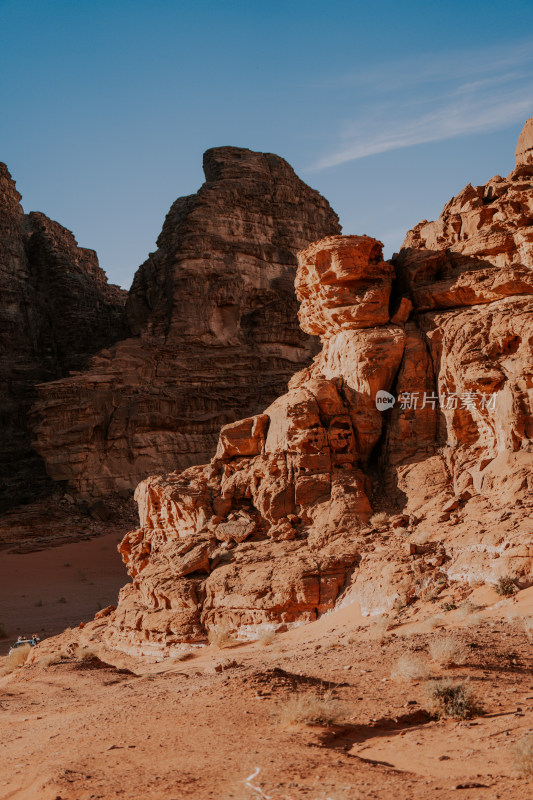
(57, 310)
(275, 529)
(214, 315)
(469, 276)
(267, 532)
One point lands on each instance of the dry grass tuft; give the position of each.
(522, 756)
(309, 709)
(16, 659)
(505, 586)
(447, 651)
(53, 658)
(450, 699)
(85, 653)
(401, 531)
(266, 638)
(410, 667)
(468, 613)
(379, 627)
(466, 608)
(422, 537)
(220, 636)
(379, 519)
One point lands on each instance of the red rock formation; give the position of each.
(287, 486)
(57, 309)
(215, 315)
(469, 276)
(274, 530)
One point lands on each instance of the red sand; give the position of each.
(88, 575)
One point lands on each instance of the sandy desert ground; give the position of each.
(46, 591)
(80, 722)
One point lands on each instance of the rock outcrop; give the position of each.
(57, 310)
(277, 529)
(469, 276)
(215, 333)
(267, 532)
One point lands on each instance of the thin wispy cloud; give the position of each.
(425, 68)
(437, 108)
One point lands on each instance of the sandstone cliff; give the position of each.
(214, 315)
(57, 310)
(277, 529)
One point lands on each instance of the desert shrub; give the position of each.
(3, 634)
(446, 651)
(505, 585)
(449, 607)
(410, 667)
(266, 638)
(220, 635)
(468, 612)
(451, 699)
(379, 519)
(309, 708)
(522, 756)
(62, 600)
(85, 653)
(16, 659)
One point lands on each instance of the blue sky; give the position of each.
(388, 109)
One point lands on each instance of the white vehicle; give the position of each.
(22, 641)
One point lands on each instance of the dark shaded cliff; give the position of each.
(56, 310)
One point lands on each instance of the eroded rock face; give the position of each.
(274, 530)
(57, 310)
(285, 487)
(469, 276)
(217, 335)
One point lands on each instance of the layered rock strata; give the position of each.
(214, 315)
(274, 531)
(57, 310)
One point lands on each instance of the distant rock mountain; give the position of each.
(215, 334)
(56, 310)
